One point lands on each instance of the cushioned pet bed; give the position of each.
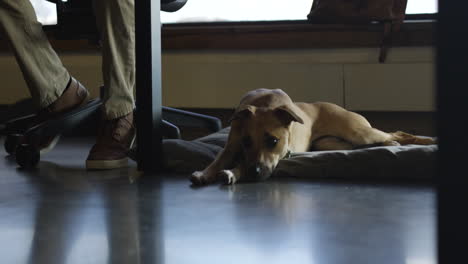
(395, 162)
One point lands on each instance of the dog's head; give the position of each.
(264, 138)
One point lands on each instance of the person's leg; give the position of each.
(116, 23)
(52, 88)
(115, 19)
(42, 69)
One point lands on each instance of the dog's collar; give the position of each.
(288, 155)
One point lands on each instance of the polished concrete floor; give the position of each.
(61, 213)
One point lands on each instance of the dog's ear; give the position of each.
(243, 112)
(286, 115)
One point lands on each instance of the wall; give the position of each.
(84, 66)
(217, 79)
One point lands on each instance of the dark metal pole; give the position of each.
(452, 97)
(148, 85)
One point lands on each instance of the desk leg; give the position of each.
(452, 122)
(148, 85)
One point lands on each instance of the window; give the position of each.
(261, 10)
(421, 7)
(239, 10)
(45, 11)
(234, 10)
(290, 31)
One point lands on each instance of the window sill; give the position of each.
(290, 35)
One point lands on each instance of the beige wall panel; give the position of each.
(13, 87)
(389, 87)
(219, 78)
(306, 56)
(84, 67)
(221, 84)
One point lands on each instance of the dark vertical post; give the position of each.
(452, 97)
(148, 84)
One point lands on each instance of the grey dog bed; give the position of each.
(395, 162)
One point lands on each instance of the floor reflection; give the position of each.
(93, 217)
(61, 213)
(308, 222)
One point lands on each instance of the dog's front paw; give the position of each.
(227, 177)
(201, 178)
(197, 178)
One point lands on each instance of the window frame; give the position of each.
(417, 30)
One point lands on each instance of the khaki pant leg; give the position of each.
(116, 22)
(44, 73)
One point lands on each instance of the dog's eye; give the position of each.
(246, 142)
(271, 142)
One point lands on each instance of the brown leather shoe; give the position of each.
(74, 96)
(115, 138)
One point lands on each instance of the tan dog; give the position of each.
(267, 126)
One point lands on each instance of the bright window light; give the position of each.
(234, 10)
(45, 11)
(239, 10)
(261, 10)
(421, 7)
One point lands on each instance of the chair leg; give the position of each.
(190, 119)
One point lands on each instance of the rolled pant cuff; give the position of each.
(113, 114)
(53, 94)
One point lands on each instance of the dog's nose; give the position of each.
(255, 170)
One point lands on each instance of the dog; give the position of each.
(268, 126)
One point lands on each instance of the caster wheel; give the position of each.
(11, 142)
(27, 156)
